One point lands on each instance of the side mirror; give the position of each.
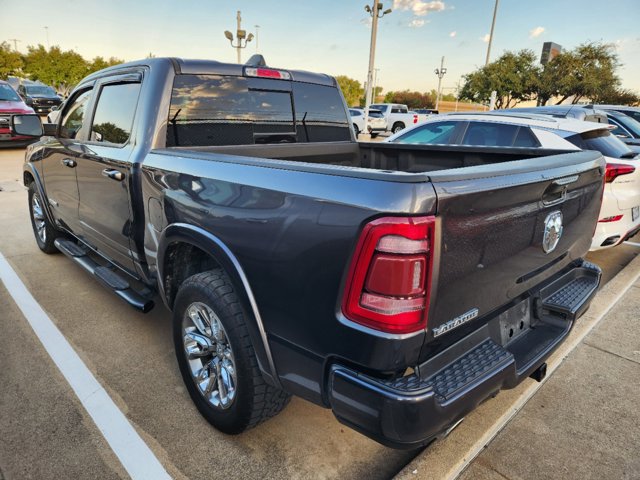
(622, 135)
(27, 125)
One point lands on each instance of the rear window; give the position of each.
(213, 110)
(603, 142)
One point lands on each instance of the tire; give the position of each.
(43, 231)
(374, 135)
(397, 127)
(220, 346)
(356, 130)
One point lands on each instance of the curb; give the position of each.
(449, 457)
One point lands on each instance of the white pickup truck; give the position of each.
(398, 116)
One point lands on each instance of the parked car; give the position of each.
(39, 97)
(627, 128)
(394, 284)
(397, 116)
(377, 122)
(619, 217)
(633, 112)
(10, 104)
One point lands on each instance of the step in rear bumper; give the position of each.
(411, 411)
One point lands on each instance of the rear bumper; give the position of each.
(413, 410)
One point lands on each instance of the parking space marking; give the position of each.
(134, 454)
(634, 244)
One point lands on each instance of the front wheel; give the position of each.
(216, 357)
(44, 232)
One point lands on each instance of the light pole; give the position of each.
(375, 85)
(440, 73)
(493, 24)
(376, 13)
(46, 29)
(257, 27)
(240, 35)
(15, 43)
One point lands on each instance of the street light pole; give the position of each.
(46, 29)
(240, 35)
(375, 13)
(493, 24)
(375, 85)
(440, 73)
(257, 27)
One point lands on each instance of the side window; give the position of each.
(74, 116)
(430, 133)
(114, 113)
(526, 138)
(618, 131)
(490, 134)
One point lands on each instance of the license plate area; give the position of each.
(515, 322)
(635, 213)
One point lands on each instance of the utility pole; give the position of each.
(440, 73)
(46, 29)
(493, 24)
(375, 15)
(15, 43)
(240, 35)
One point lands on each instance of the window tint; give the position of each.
(526, 138)
(382, 108)
(355, 113)
(603, 142)
(74, 116)
(490, 134)
(209, 110)
(114, 113)
(8, 94)
(215, 110)
(431, 133)
(320, 113)
(618, 130)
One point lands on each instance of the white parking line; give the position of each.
(134, 454)
(634, 244)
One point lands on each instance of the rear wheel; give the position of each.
(44, 232)
(397, 127)
(356, 130)
(216, 358)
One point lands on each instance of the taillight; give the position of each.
(390, 275)
(615, 218)
(614, 170)
(267, 73)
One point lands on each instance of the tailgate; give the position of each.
(491, 228)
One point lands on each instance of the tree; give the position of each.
(588, 71)
(514, 77)
(10, 61)
(617, 96)
(351, 89)
(62, 69)
(411, 99)
(98, 63)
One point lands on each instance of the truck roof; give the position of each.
(212, 67)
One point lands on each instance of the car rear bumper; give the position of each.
(413, 410)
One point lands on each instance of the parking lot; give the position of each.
(46, 433)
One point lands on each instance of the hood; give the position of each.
(14, 107)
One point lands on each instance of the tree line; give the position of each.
(588, 72)
(354, 92)
(62, 69)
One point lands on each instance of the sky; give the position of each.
(330, 36)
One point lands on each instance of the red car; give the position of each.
(11, 103)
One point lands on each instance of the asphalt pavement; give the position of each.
(45, 431)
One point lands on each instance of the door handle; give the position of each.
(113, 174)
(67, 162)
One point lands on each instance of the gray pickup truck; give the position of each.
(398, 285)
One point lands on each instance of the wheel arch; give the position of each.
(210, 252)
(31, 175)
